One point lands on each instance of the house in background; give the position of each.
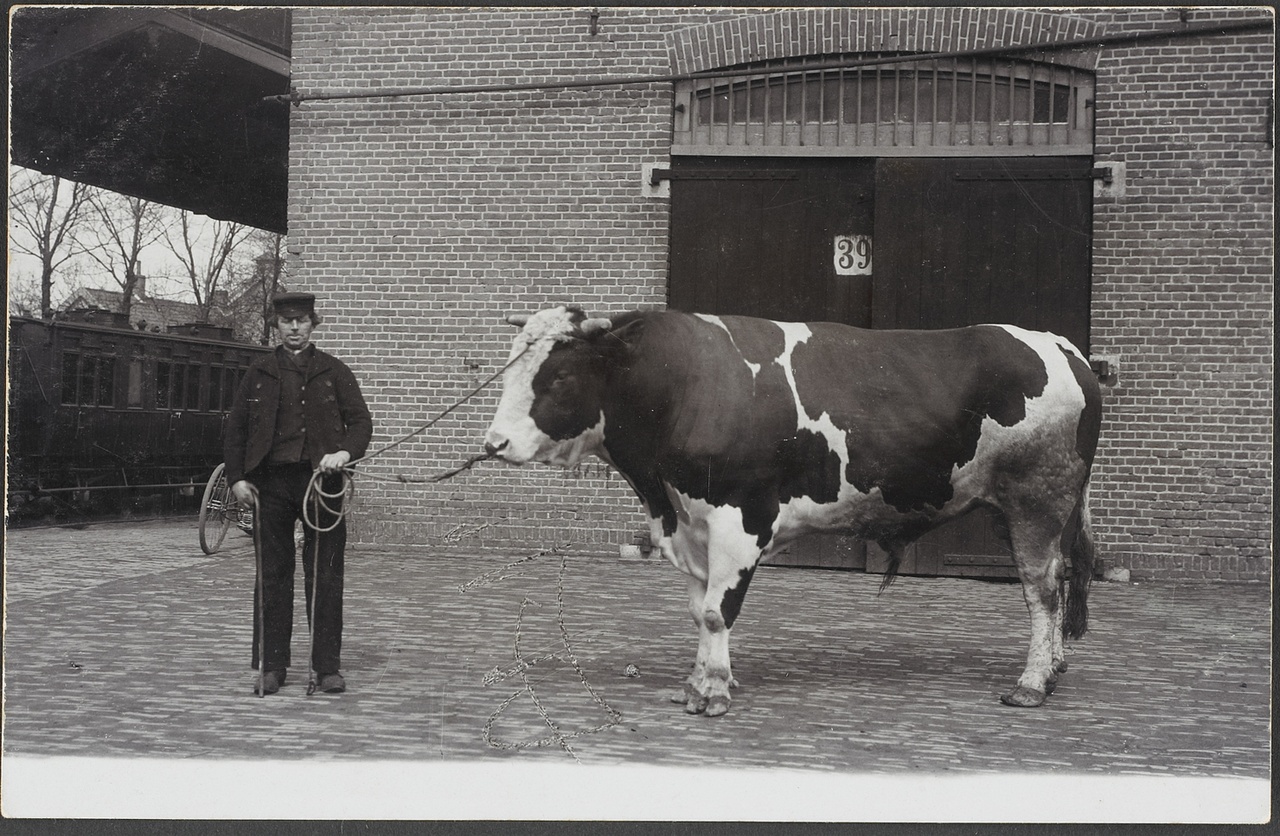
(158, 315)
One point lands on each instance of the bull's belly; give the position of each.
(863, 515)
(866, 516)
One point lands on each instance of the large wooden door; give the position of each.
(757, 236)
(888, 243)
(964, 241)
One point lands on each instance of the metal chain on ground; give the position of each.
(522, 666)
(497, 574)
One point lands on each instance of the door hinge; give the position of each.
(1103, 173)
(658, 175)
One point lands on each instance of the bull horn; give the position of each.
(591, 326)
(517, 319)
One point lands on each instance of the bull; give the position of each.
(739, 435)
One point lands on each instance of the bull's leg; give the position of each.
(731, 561)
(694, 700)
(1059, 648)
(689, 695)
(689, 558)
(1040, 567)
(701, 692)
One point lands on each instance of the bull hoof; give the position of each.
(717, 706)
(681, 696)
(1022, 697)
(695, 705)
(1060, 666)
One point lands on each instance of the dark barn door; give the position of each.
(756, 237)
(963, 241)
(888, 243)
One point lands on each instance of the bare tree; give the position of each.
(204, 247)
(268, 279)
(256, 273)
(47, 211)
(24, 296)
(123, 227)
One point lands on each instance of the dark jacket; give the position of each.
(337, 420)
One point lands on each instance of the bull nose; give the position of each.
(494, 449)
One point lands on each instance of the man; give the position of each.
(298, 410)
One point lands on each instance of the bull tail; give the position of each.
(1076, 619)
(891, 568)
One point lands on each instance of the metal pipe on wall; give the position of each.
(1218, 28)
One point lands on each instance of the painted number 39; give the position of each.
(853, 255)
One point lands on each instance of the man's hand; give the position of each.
(246, 494)
(333, 462)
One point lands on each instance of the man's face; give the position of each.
(295, 331)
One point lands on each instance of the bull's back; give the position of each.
(744, 406)
(757, 380)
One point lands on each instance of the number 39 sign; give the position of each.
(853, 255)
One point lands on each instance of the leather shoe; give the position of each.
(331, 683)
(271, 682)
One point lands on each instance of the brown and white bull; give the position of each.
(740, 435)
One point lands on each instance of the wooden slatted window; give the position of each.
(951, 107)
(164, 384)
(88, 379)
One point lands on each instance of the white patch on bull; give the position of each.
(793, 334)
(1047, 434)
(801, 514)
(702, 528)
(513, 428)
(719, 323)
(661, 541)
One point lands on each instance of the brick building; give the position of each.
(150, 313)
(1130, 176)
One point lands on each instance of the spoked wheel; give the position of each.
(218, 510)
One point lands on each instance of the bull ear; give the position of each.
(517, 319)
(592, 326)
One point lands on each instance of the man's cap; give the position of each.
(294, 304)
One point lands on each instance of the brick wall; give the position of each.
(1183, 299)
(744, 37)
(422, 220)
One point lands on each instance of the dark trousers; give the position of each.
(281, 489)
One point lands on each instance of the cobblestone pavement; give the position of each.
(124, 640)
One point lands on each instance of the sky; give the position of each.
(166, 277)
(157, 265)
